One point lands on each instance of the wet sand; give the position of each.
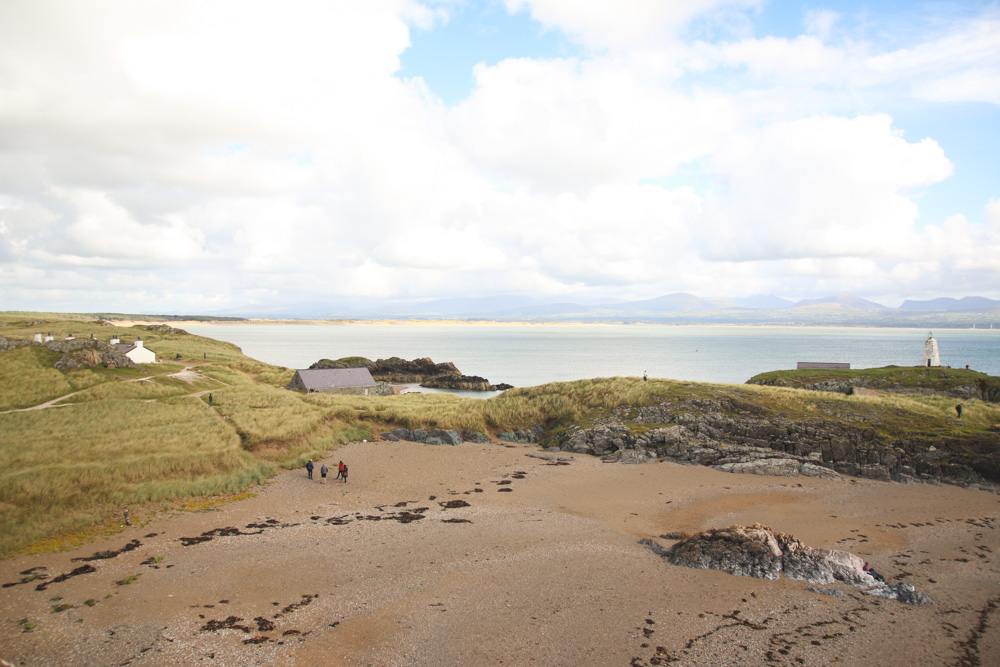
(537, 564)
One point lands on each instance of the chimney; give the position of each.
(138, 342)
(115, 340)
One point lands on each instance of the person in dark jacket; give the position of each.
(344, 473)
(309, 468)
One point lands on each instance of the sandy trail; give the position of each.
(547, 572)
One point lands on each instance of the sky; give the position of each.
(207, 156)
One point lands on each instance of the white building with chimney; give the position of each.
(135, 351)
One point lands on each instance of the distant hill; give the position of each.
(671, 303)
(676, 308)
(845, 301)
(762, 302)
(968, 304)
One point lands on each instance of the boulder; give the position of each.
(758, 551)
(448, 437)
(523, 436)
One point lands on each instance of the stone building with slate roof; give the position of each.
(338, 381)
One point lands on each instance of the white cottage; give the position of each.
(136, 351)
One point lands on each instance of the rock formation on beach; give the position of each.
(734, 435)
(395, 370)
(758, 551)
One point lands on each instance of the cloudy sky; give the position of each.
(189, 157)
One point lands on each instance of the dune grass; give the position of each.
(28, 378)
(91, 459)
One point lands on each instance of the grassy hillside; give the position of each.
(141, 437)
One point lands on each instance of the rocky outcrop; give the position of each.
(435, 437)
(165, 328)
(395, 370)
(522, 435)
(464, 382)
(11, 343)
(85, 352)
(77, 353)
(736, 436)
(758, 551)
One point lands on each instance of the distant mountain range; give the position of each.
(968, 304)
(680, 307)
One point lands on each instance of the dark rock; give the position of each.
(523, 436)
(448, 437)
(758, 551)
(395, 370)
(474, 436)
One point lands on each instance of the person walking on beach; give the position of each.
(340, 470)
(322, 473)
(309, 468)
(344, 474)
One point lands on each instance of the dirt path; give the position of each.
(479, 554)
(188, 375)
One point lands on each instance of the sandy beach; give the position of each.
(483, 555)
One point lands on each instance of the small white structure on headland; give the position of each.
(931, 356)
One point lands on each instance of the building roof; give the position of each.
(125, 348)
(335, 378)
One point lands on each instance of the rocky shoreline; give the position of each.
(736, 436)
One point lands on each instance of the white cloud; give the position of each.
(960, 66)
(820, 22)
(566, 125)
(818, 187)
(200, 154)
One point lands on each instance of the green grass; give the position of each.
(27, 377)
(936, 378)
(88, 461)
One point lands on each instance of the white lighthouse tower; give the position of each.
(931, 356)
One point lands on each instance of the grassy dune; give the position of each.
(66, 469)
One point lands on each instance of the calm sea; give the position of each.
(528, 355)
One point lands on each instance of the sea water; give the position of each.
(528, 355)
